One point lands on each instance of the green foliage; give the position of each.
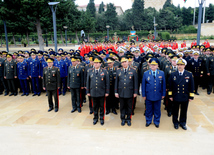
(187, 29)
(164, 35)
(101, 8)
(91, 8)
(138, 14)
(111, 16)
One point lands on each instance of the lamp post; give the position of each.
(201, 2)
(155, 28)
(107, 26)
(53, 6)
(5, 30)
(65, 27)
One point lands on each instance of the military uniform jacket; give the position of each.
(126, 84)
(181, 88)
(153, 88)
(51, 78)
(1, 67)
(75, 77)
(22, 69)
(10, 69)
(112, 76)
(34, 68)
(62, 67)
(168, 71)
(210, 65)
(97, 85)
(87, 67)
(196, 67)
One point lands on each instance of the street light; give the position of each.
(53, 9)
(107, 26)
(6, 39)
(65, 27)
(201, 2)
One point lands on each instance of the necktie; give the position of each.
(96, 72)
(125, 71)
(74, 68)
(154, 74)
(180, 74)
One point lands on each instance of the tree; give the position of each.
(167, 4)
(210, 13)
(91, 8)
(101, 8)
(111, 16)
(138, 14)
(100, 22)
(187, 16)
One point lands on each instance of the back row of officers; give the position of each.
(111, 81)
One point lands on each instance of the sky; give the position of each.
(127, 4)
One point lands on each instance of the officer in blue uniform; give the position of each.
(34, 73)
(22, 71)
(153, 91)
(63, 72)
(181, 91)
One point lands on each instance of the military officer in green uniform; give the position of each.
(51, 83)
(75, 83)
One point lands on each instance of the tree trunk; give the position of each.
(1, 39)
(14, 40)
(62, 39)
(39, 33)
(77, 37)
(28, 43)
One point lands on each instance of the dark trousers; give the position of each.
(36, 85)
(204, 81)
(153, 108)
(11, 85)
(90, 103)
(51, 94)
(63, 85)
(111, 102)
(126, 108)
(3, 85)
(24, 86)
(210, 83)
(196, 83)
(98, 103)
(183, 112)
(75, 97)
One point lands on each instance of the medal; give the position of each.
(148, 78)
(187, 80)
(130, 77)
(53, 74)
(102, 79)
(77, 74)
(174, 78)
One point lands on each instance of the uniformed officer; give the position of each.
(51, 83)
(23, 76)
(75, 83)
(3, 86)
(153, 91)
(63, 72)
(34, 73)
(210, 72)
(181, 91)
(111, 100)
(10, 74)
(126, 87)
(98, 88)
(196, 69)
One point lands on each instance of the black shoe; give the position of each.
(34, 94)
(157, 125)
(123, 122)
(176, 126)
(208, 93)
(107, 112)
(95, 122)
(63, 94)
(129, 123)
(46, 94)
(27, 94)
(114, 112)
(197, 93)
(72, 111)
(148, 124)
(91, 112)
(23, 94)
(15, 94)
(169, 114)
(50, 109)
(5, 94)
(79, 110)
(102, 122)
(84, 101)
(183, 127)
(203, 88)
(1, 93)
(39, 94)
(56, 110)
(11, 94)
(133, 113)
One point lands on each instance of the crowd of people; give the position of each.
(113, 75)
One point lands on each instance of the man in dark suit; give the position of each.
(181, 91)
(98, 88)
(153, 91)
(51, 83)
(75, 83)
(3, 86)
(126, 87)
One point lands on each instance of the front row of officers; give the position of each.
(106, 87)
